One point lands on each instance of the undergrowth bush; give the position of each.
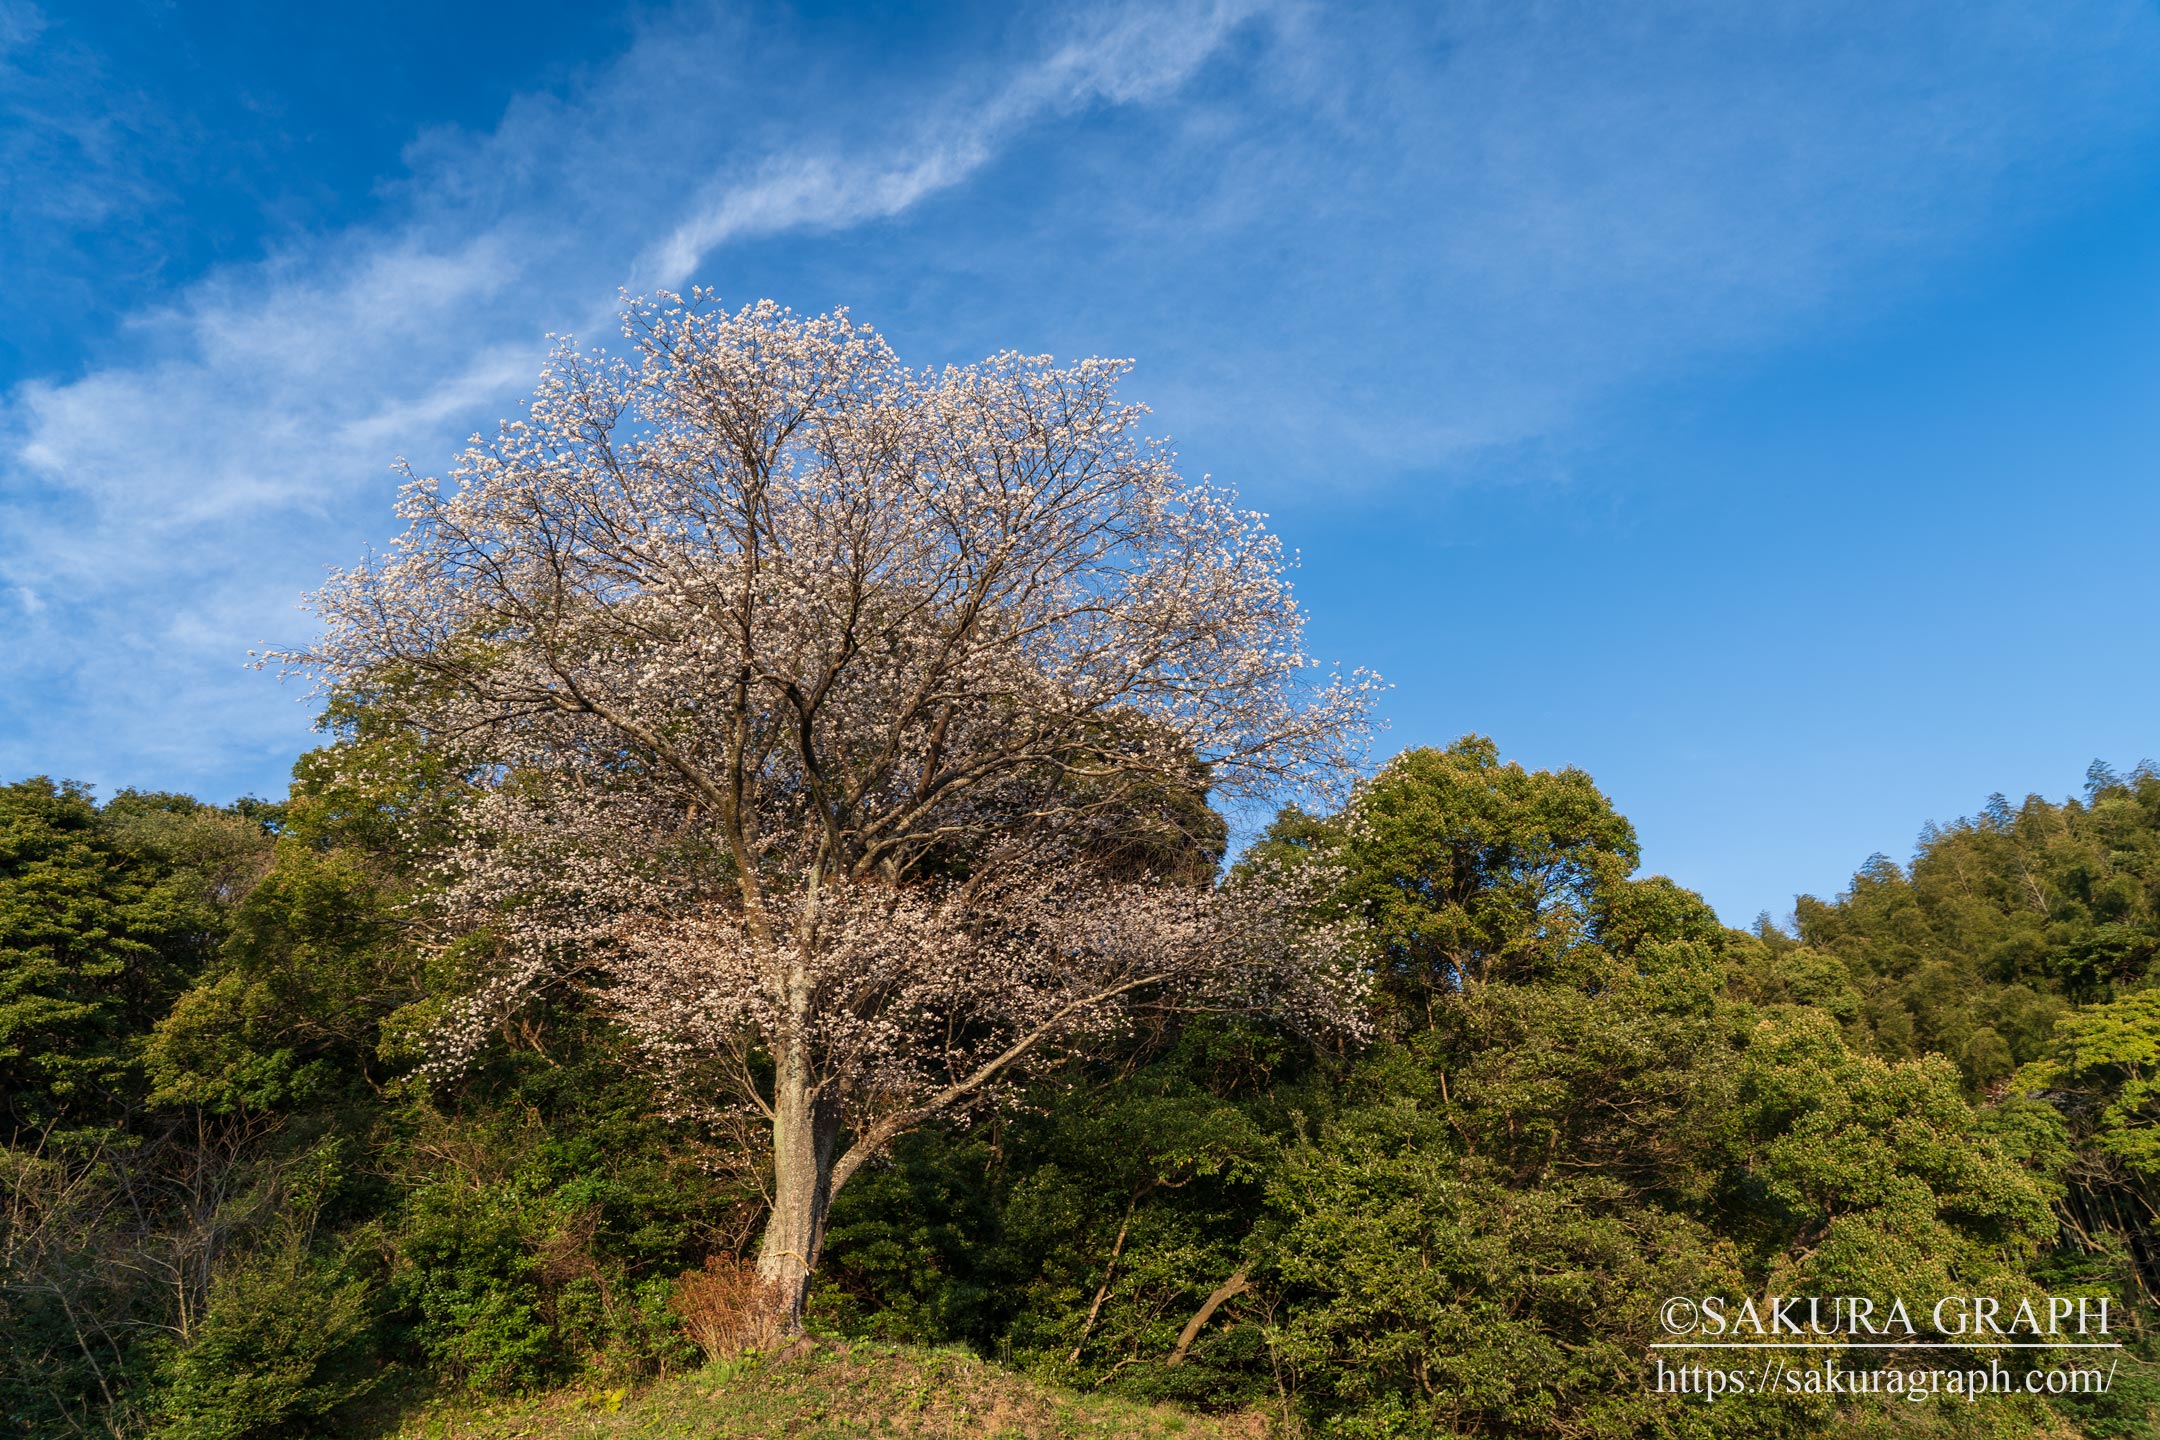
(726, 1309)
(278, 1347)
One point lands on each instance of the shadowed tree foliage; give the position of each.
(102, 924)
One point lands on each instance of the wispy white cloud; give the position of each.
(1347, 241)
(1471, 222)
(1138, 54)
(161, 513)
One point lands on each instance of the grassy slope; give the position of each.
(833, 1392)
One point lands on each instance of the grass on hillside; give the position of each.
(827, 1390)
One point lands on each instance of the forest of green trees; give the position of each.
(236, 1206)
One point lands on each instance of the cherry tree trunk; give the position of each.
(805, 1132)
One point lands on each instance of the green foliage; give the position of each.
(1876, 1178)
(1586, 1095)
(2001, 924)
(2019, 943)
(1469, 871)
(2105, 1067)
(1427, 1294)
(543, 1218)
(1584, 1117)
(1477, 1238)
(916, 1250)
(1079, 1236)
(291, 1009)
(106, 914)
(275, 1351)
(98, 932)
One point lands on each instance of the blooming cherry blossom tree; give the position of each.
(798, 689)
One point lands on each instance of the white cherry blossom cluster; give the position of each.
(916, 988)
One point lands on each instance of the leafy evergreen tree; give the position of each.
(99, 931)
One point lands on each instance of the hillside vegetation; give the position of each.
(236, 1208)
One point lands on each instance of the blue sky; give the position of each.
(1755, 405)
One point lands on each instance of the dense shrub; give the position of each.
(278, 1347)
